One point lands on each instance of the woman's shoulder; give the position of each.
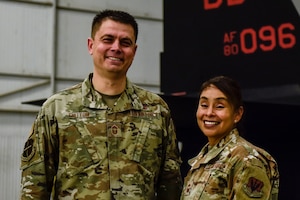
(250, 154)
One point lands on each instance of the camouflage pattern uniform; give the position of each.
(234, 169)
(79, 148)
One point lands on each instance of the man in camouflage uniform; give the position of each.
(105, 138)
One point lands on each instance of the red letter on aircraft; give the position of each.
(212, 5)
(209, 4)
(228, 37)
(234, 2)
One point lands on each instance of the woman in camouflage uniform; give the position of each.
(228, 167)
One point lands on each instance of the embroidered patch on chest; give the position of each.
(114, 129)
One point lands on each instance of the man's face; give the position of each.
(113, 48)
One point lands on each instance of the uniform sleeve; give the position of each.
(170, 183)
(252, 182)
(37, 163)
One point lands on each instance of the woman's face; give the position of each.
(215, 115)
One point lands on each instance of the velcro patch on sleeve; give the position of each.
(253, 188)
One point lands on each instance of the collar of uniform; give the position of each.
(206, 155)
(93, 99)
(232, 136)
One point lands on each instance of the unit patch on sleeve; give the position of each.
(29, 150)
(253, 188)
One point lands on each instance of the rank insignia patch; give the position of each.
(114, 129)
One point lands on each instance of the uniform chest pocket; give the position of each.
(79, 151)
(140, 141)
(145, 143)
(217, 183)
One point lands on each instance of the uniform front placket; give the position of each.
(114, 137)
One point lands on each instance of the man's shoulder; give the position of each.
(67, 94)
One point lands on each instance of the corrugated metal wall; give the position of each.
(44, 49)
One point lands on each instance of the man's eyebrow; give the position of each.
(126, 38)
(107, 35)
